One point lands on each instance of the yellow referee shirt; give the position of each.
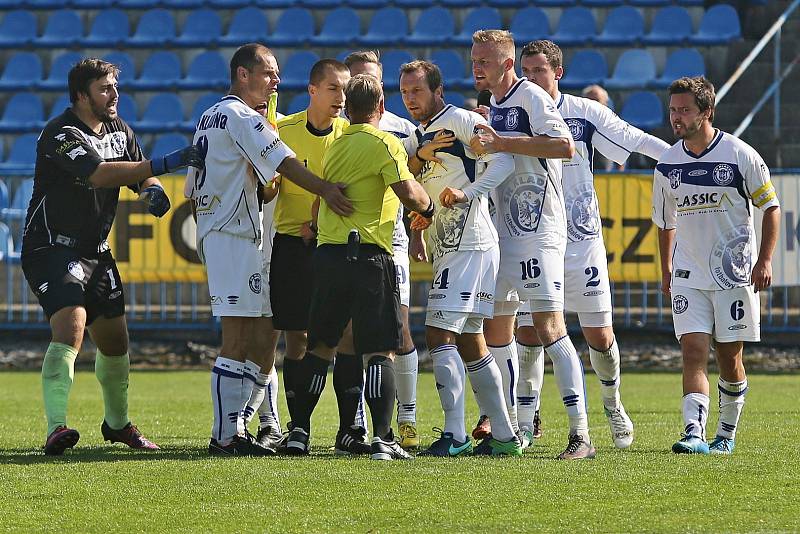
(368, 161)
(293, 204)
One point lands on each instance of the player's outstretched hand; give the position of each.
(761, 277)
(334, 196)
(190, 156)
(442, 139)
(485, 140)
(418, 222)
(450, 196)
(157, 200)
(416, 247)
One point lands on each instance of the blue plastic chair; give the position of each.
(635, 69)
(650, 3)
(624, 27)
(720, 25)
(64, 28)
(702, 2)
(321, 4)
(61, 104)
(392, 61)
(435, 26)
(299, 102)
(455, 98)
(297, 67)
(124, 62)
(202, 28)
(394, 103)
(23, 151)
(183, 4)
(295, 27)
(22, 70)
(453, 69)
(164, 112)
(228, 4)
(557, 3)
(161, 70)
(575, 27)
(341, 27)
(506, 4)
(672, 26)
(200, 106)
(57, 78)
(7, 252)
(43, 4)
(127, 109)
(3, 190)
(137, 4)
(529, 24)
(367, 4)
(388, 27)
(156, 29)
(462, 4)
(24, 112)
(248, 25)
(602, 3)
(682, 62)
(166, 143)
(91, 4)
(273, 4)
(208, 70)
(18, 29)
(19, 203)
(110, 28)
(478, 18)
(586, 68)
(405, 4)
(643, 110)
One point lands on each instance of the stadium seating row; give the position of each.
(389, 26)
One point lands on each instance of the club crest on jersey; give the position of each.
(722, 174)
(680, 304)
(584, 220)
(731, 258)
(117, 143)
(75, 269)
(675, 178)
(512, 119)
(255, 283)
(524, 199)
(575, 128)
(448, 228)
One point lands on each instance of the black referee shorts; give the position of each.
(61, 277)
(365, 291)
(290, 281)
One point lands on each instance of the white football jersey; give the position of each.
(530, 204)
(707, 199)
(595, 127)
(241, 152)
(401, 128)
(468, 226)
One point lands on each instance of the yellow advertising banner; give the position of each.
(163, 250)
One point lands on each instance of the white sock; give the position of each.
(488, 386)
(731, 403)
(449, 373)
(256, 399)
(268, 411)
(508, 363)
(226, 398)
(606, 367)
(250, 372)
(695, 414)
(529, 384)
(568, 370)
(405, 374)
(361, 413)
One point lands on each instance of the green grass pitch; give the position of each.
(103, 488)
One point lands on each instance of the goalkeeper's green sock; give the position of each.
(58, 370)
(112, 373)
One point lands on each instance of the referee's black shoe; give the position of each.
(297, 442)
(239, 446)
(352, 441)
(388, 449)
(269, 436)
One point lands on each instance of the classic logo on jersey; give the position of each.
(115, 294)
(75, 269)
(698, 172)
(722, 174)
(583, 216)
(680, 304)
(524, 198)
(448, 228)
(731, 257)
(255, 283)
(512, 119)
(575, 128)
(675, 178)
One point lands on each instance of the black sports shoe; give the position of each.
(447, 447)
(297, 442)
(351, 441)
(483, 448)
(269, 436)
(239, 446)
(387, 449)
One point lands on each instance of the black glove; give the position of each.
(190, 156)
(157, 200)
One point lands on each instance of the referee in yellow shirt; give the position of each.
(354, 274)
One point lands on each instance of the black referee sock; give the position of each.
(380, 391)
(348, 378)
(291, 369)
(310, 383)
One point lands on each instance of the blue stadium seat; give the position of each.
(702, 2)
(672, 25)
(23, 152)
(110, 28)
(43, 4)
(392, 60)
(248, 25)
(273, 4)
(183, 4)
(137, 4)
(481, 17)
(296, 69)
(624, 27)
(64, 28)
(388, 27)
(394, 103)
(321, 4)
(7, 252)
(720, 25)
(3, 192)
(126, 108)
(505, 4)
(453, 70)
(575, 27)
(22, 70)
(340, 28)
(156, 28)
(643, 110)
(586, 68)
(556, 3)
(124, 62)
(200, 106)
(602, 3)
(462, 4)
(410, 3)
(91, 4)
(682, 62)
(299, 102)
(435, 26)
(161, 70)
(366, 4)
(18, 29)
(61, 104)
(295, 27)
(208, 70)
(650, 3)
(22, 198)
(202, 28)
(529, 24)
(635, 69)
(59, 70)
(455, 98)
(24, 112)
(164, 112)
(166, 143)
(228, 4)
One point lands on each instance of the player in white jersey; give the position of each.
(463, 244)
(531, 223)
(587, 290)
(703, 192)
(406, 361)
(242, 154)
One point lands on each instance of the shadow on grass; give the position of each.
(100, 455)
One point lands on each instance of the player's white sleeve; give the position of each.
(616, 139)
(757, 179)
(499, 165)
(665, 209)
(259, 144)
(544, 117)
(188, 184)
(411, 143)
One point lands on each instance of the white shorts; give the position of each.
(531, 273)
(587, 288)
(456, 322)
(463, 281)
(238, 282)
(727, 314)
(401, 262)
